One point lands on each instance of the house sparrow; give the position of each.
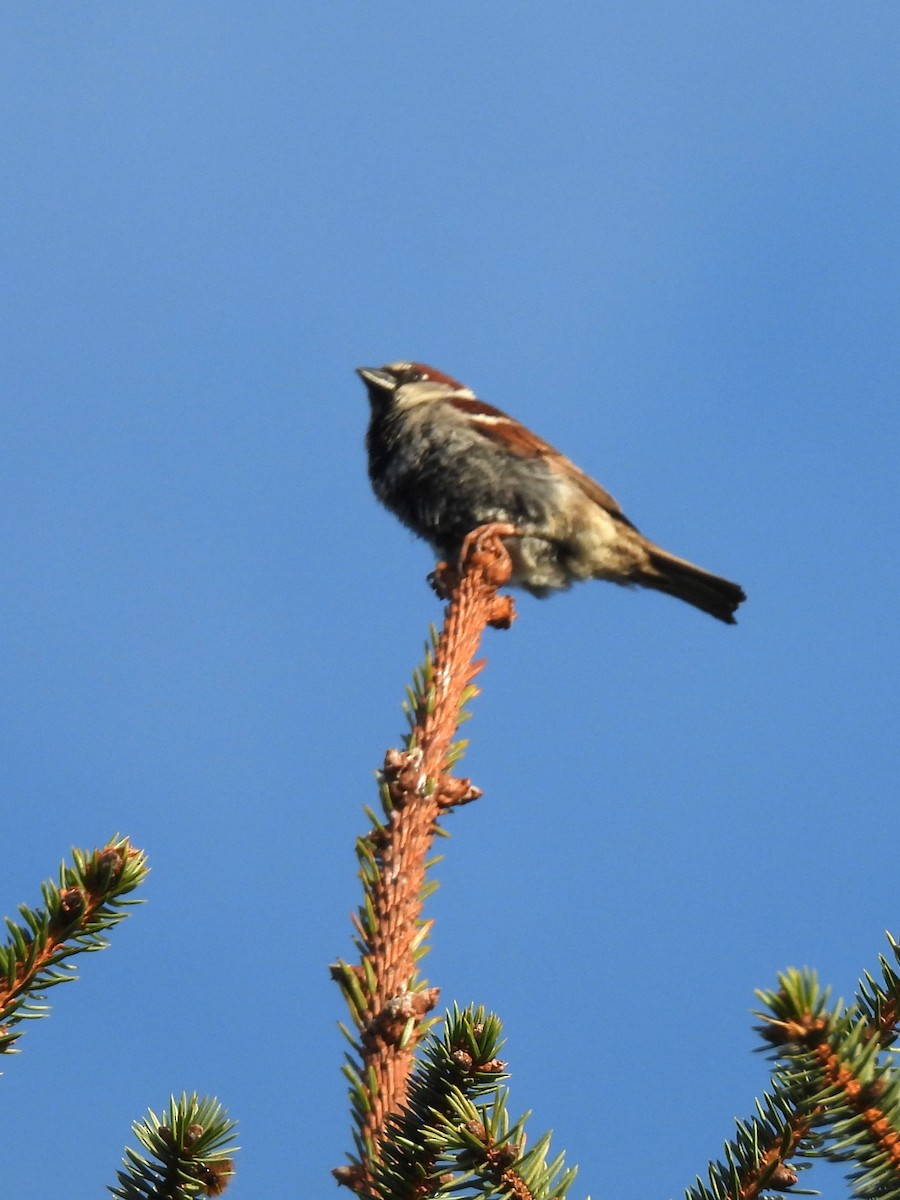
(445, 462)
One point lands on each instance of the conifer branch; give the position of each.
(189, 1148)
(758, 1161)
(835, 1092)
(435, 1125)
(87, 902)
(454, 1136)
(839, 1074)
(879, 1002)
(388, 1002)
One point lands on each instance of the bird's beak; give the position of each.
(377, 378)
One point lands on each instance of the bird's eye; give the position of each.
(412, 375)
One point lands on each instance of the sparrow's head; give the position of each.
(405, 384)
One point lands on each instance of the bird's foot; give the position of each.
(483, 552)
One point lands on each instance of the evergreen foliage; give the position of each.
(189, 1149)
(834, 1091)
(455, 1138)
(430, 1107)
(188, 1153)
(91, 897)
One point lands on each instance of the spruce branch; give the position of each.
(839, 1074)
(447, 1143)
(758, 1161)
(88, 901)
(879, 1002)
(388, 1001)
(431, 1113)
(189, 1150)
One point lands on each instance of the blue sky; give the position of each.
(666, 236)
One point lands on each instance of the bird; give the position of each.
(445, 463)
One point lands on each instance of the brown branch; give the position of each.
(498, 1162)
(773, 1172)
(813, 1031)
(73, 912)
(863, 1099)
(387, 1007)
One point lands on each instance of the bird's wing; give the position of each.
(502, 429)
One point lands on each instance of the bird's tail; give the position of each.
(677, 577)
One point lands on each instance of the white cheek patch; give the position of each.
(426, 392)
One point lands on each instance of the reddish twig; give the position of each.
(389, 1008)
